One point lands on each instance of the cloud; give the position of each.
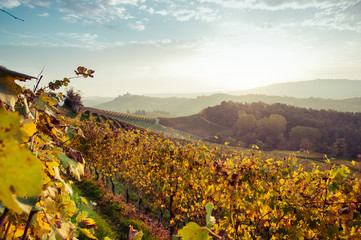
(80, 40)
(9, 4)
(73, 18)
(275, 5)
(341, 17)
(184, 12)
(29, 3)
(206, 14)
(183, 15)
(138, 26)
(102, 11)
(45, 14)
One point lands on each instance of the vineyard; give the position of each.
(133, 118)
(199, 193)
(131, 121)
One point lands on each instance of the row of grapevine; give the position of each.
(253, 198)
(120, 115)
(36, 199)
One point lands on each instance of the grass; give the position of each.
(104, 228)
(109, 214)
(146, 206)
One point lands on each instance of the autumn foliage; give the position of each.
(36, 199)
(253, 198)
(205, 193)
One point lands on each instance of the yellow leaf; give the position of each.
(15, 231)
(20, 171)
(84, 200)
(27, 130)
(87, 233)
(67, 229)
(41, 226)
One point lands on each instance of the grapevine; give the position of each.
(36, 199)
(253, 198)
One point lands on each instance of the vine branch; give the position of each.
(11, 15)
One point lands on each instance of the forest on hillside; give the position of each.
(280, 126)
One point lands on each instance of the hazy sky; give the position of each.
(145, 46)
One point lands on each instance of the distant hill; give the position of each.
(320, 88)
(189, 106)
(93, 101)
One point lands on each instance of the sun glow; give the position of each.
(243, 66)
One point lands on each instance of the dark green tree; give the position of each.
(72, 100)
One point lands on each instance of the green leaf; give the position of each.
(44, 103)
(66, 162)
(75, 168)
(28, 201)
(70, 130)
(192, 231)
(209, 218)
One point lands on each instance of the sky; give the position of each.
(161, 46)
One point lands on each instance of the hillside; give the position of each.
(280, 126)
(189, 106)
(195, 124)
(93, 101)
(320, 88)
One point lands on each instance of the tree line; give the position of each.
(280, 126)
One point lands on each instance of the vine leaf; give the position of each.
(87, 233)
(20, 171)
(209, 218)
(27, 130)
(75, 168)
(192, 231)
(9, 90)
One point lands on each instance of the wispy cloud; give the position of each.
(339, 18)
(19, 35)
(29, 3)
(82, 37)
(73, 18)
(102, 11)
(45, 14)
(275, 5)
(138, 26)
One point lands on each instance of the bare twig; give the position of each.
(39, 77)
(213, 233)
(37, 83)
(3, 216)
(11, 15)
(52, 226)
(32, 213)
(42, 70)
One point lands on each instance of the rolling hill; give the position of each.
(189, 106)
(320, 88)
